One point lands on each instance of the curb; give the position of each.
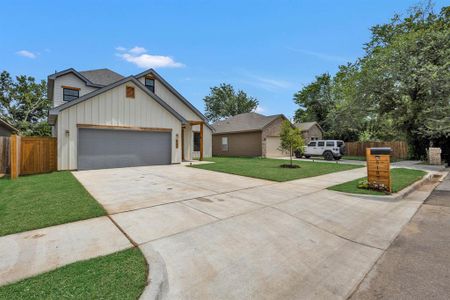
(157, 281)
(399, 195)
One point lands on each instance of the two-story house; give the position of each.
(104, 120)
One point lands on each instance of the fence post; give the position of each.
(14, 156)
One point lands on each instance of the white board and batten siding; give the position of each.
(113, 108)
(187, 113)
(72, 81)
(164, 93)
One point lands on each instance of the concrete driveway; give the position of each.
(209, 235)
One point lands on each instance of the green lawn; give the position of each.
(121, 275)
(400, 177)
(38, 201)
(269, 169)
(363, 158)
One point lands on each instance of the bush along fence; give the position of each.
(399, 148)
(32, 155)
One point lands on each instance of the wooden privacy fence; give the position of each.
(4, 154)
(32, 155)
(399, 148)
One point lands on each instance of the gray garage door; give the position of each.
(109, 148)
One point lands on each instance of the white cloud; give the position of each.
(259, 109)
(269, 84)
(139, 57)
(273, 82)
(322, 56)
(137, 50)
(26, 53)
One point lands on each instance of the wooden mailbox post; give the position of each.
(379, 166)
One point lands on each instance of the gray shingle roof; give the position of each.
(244, 122)
(8, 126)
(101, 76)
(306, 125)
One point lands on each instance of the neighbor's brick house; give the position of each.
(311, 131)
(248, 134)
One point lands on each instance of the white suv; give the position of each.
(329, 149)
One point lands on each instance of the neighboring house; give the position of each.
(105, 120)
(6, 129)
(248, 134)
(311, 131)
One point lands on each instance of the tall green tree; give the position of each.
(400, 88)
(223, 102)
(24, 104)
(315, 101)
(406, 71)
(347, 116)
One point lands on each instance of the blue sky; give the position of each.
(270, 49)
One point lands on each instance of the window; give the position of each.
(330, 144)
(313, 138)
(320, 144)
(224, 143)
(130, 92)
(340, 143)
(70, 93)
(196, 141)
(150, 84)
(312, 144)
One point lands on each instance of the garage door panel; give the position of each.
(109, 148)
(273, 147)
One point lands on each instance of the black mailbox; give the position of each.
(380, 151)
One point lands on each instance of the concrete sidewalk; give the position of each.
(417, 264)
(33, 252)
(411, 164)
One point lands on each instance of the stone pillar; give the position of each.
(434, 156)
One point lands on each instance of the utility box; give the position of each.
(379, 166)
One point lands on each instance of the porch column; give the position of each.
(182, 143)
(201, 141)
(199, 123)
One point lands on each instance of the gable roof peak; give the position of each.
(174, 91)
(250, 121)
(54, 111)
(305, 126)
(103, 76)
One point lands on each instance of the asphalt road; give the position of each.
(417, 264)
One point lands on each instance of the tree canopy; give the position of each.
(223, 102)
(400, 88)
(24, 104)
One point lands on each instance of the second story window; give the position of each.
(70, 93)
(150, 84)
